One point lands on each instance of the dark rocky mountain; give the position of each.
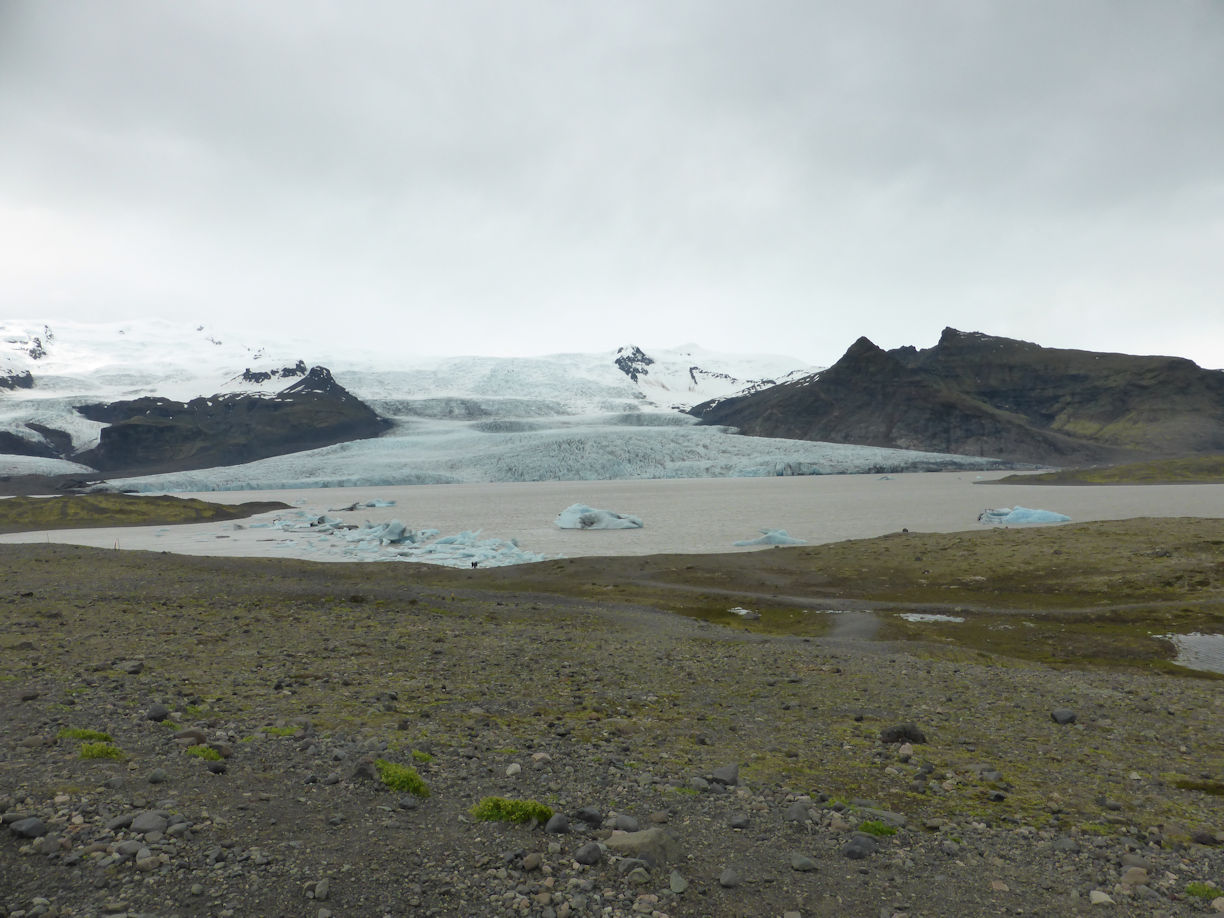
(974, 394)
(633, 362)
(16, 379)
(150, 435)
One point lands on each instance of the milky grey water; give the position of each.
(679, 515)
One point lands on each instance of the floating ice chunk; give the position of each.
(580, 516)
(467, 537)
(1010, 516)
(771, 537)
(361, 505)
(746, 614)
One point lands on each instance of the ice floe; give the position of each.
(580, 516)
(771, 537)
(326, 537)
(1012, 516)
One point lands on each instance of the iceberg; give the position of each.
(771, 537)
(580, 516)
(1012, 516)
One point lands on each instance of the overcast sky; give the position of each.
(533, 176)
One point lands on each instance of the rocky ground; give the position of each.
(802, 763)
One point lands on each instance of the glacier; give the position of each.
(467, 419)
(591, 449)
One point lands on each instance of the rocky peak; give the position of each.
(317, 379)
(633, 361)
(261, 376)
(16, 379)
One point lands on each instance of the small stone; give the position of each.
(590, 853)
(149, 821)
(558, 824)
(639, 875)
(157, 712)
(727, 775)
(859, 847)
(677, 883)
(532, 861)
(656, 845)
(1063, 716)
(730, 878)
(699, 784)
(739, 821)
(158, 776)
(625, 823)
(590, 815)
(48, 844)
(1098, 897)
(322, 889)
(131, 667)
(801, 862)
(30, 827)
(513, 769)
(218, 768)
(798, 812)
(1135, 876)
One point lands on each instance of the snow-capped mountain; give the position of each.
(615, 414)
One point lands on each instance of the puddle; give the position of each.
(930, 617)
(1197, 650)
(855, 626)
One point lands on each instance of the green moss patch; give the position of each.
(101, 751)
(207, 753)
(501, 809)
(401, 778)
(279, 731)
(1203, 891)
(876, 827)
(77, 733)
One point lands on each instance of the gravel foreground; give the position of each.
(693, 768)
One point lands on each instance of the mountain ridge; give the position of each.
(983, 395)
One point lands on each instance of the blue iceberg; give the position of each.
(580, 516)
(1012, 516)
(771, 537)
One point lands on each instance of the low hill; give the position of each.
(159, 435)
